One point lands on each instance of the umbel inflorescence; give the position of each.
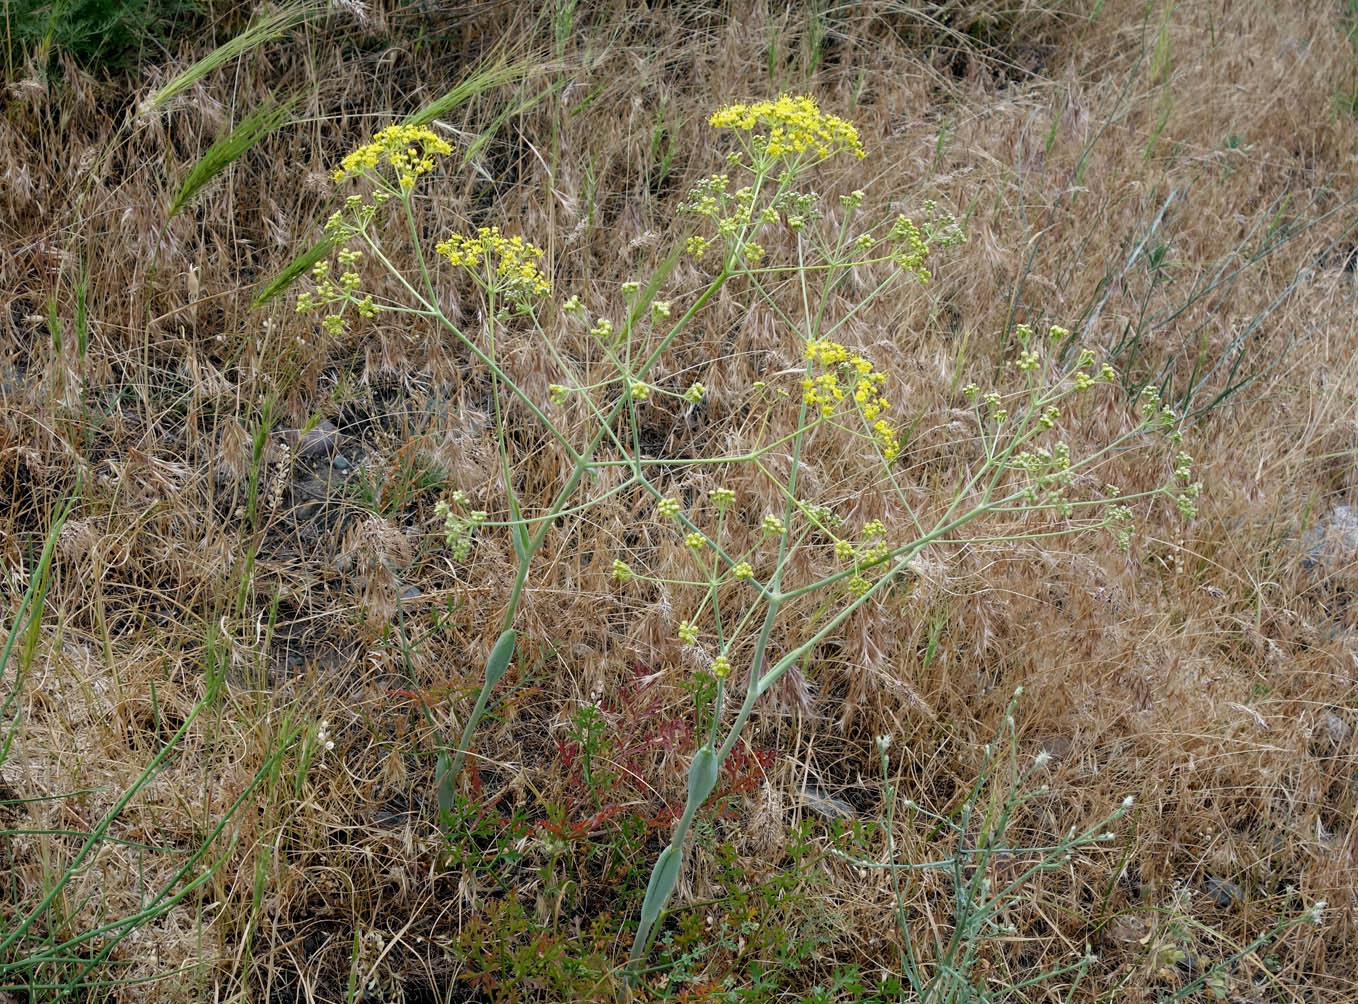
(408, 150)
(790, 127)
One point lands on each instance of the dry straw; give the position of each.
(1176, 190)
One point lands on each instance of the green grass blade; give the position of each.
(476, 83)
(227, 150)
(29, 613)
(296, 267)
(268, 28)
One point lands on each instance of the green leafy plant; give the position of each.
(98, 34)
(787, 560)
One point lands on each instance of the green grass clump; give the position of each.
(101, 36)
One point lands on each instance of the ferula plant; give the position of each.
(779, 563)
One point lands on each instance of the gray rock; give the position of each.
(1224, 894)
(1333, 541)
(321, 440)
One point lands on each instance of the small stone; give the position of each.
(1333, 541)
(1330, 734)
(1224, 894)
(321, 440)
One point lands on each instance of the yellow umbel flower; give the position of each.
(846, 374)
(791, 126)
(508, 264)
(409, 150)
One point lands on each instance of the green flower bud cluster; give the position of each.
(796, 208)
(1187, 490)
(1050, 476)
(773, 526)
(458, 527)
(355, 217)
(909, 248)
(1157, 415)
(820, 515)
(336, 295)
(941, 230)
(1119, 521)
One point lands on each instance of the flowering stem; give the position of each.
(432, 310)
(528, 549)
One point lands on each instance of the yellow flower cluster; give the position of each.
(791, 126)
(512, 261)
(846, 374)
(410, 150)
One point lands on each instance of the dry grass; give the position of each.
(1210, 673)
